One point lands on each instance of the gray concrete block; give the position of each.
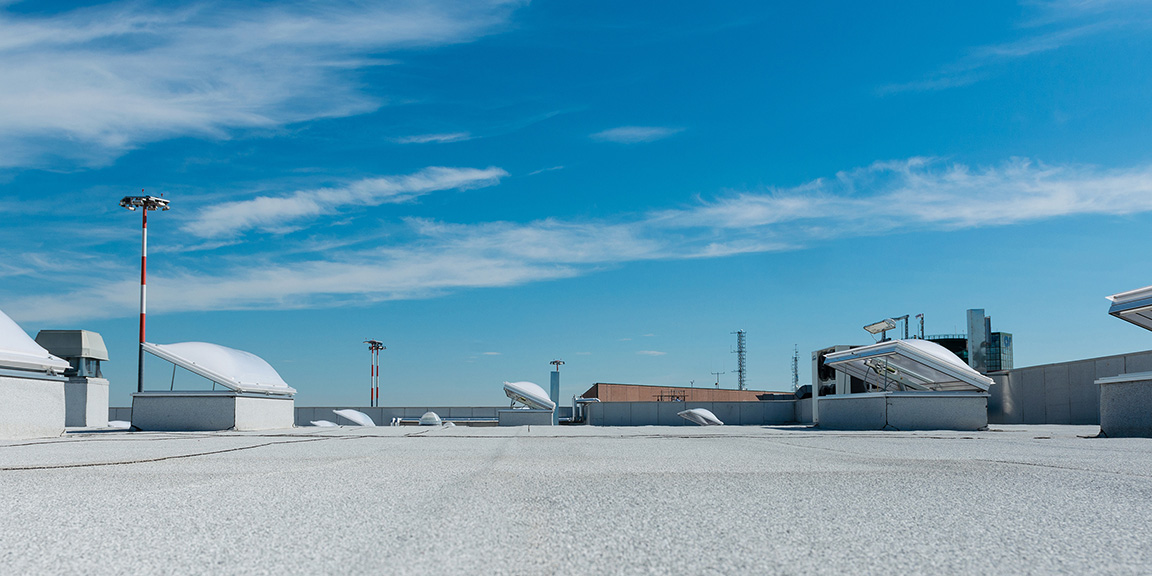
(751, 413)
(190, 411)
(1138, 362)
(1033, 401)
(31, 407)
(778, 412)
(521, 417)
(644, 413)
(667, 414)
(853, 412)
(1084, 393)
(86, 402)
(1002, 406)
(1057, 392)
(1126, 406)
(727, 412)
(1109, 366)
(937, 411)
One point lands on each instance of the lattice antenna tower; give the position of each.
(795, 367)
(741, 352)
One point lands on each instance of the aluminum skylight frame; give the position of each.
(917, 365)
(1133, 306)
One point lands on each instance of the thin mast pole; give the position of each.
(143, 298)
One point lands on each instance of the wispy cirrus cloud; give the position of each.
(650, 353)
(1051, 26)
(279, 213)
(86, 85)
(434, 138)
(636, 134)
(435, 258)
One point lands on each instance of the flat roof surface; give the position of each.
(578, 500)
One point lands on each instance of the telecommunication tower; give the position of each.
(741, 352)
(795, 367)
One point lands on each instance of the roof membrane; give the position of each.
(237, 370)
(909, 365)
(18, 351)
(1134, 306)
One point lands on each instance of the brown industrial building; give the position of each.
(647, 393)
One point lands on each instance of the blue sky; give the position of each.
(487, 186)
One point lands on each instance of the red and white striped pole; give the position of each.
(146, 203)
(143, 297)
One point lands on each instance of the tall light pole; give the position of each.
(147, 203)
(374, 348)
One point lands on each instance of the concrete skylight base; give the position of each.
(1126, 405)
(524, 417)
(203, 411)
(86, 402)
(31, 406)
(905, 411)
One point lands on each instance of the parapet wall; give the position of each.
(762, 413)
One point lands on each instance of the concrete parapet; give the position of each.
(1126, 405)
(204, 411)
(905, 411)
(86, 402)
(31, 406)
(524, 417)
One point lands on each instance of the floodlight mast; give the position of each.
(147, 203)
(374, 348)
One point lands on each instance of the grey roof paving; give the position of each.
(578, 500)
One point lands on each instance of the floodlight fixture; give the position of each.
(147, 203)
(881, 326)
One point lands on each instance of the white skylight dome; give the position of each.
(430, 419)
(237, 370)
(356, 417)
(18, 351)
(913, 364)
(701, 416)
(529, 394)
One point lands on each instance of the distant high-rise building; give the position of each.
(1000, 352)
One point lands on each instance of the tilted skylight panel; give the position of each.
(234, 369)
(18, 351)
(1135, 306)
(909, 365)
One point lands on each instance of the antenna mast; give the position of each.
(741, 355)
(717, 375)
(795, 367)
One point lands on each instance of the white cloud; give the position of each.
(434, 138)
(491, 353)
(436, 258)
(650, 353)
(91, 83)
(280, 212)
(635, 134)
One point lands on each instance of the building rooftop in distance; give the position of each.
(578, 500)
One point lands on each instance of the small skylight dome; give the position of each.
(357, 417)
(237, 370)
(701, 416)
(430, 419)
(1134, 306)
(18, 351)
(898, 365)
(324, 424)
(529, 394)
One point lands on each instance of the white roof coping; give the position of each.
(1131, 377)
(18, 351)
(1135, 306)
(234, 369)
(911, 364)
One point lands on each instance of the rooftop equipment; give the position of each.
(356, 417)
(83, 349)
(898, 365)
(700, 416)
(236, 370)
(1134, 306)
(529, 394)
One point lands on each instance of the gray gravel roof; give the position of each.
(578, 500)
